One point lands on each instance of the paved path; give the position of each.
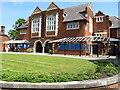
(94, 57)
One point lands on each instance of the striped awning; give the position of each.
(17, 41)
(85, 39)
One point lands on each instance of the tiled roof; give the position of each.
(1, 34)
(73, 13)
(25, 25)
(115, 22)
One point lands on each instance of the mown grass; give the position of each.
(37, 69)
(46, 64)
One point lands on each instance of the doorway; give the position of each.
(39, 47)
(48, 46)
(95, 49)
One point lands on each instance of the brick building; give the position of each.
(55, 23)
(3, 38)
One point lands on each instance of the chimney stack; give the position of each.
(3, 29)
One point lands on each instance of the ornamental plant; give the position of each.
(29, 50)
(52, 51)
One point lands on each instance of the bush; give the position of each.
(106, 67)
(52, 51)
(29, 50)
(37, 77)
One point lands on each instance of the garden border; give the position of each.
(62, 85)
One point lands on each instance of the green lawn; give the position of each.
(37, 69)
(45, 64)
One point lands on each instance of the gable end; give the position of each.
(37, 10)
(52, 6)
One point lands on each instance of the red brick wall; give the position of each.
(23, 36)
(75, 32)
(35, 34)
(113, 33)
(3, 39)
(102, 25)
(62, 32)
(62, 29)
(50, 33)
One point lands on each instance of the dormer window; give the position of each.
(84, 14)
(99, 19)
(64, 15)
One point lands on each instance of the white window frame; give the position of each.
(23, 31)
(72, 26)
(118, 32)
(98, 34)
(52, 22)
(64, 14)
(38, 27)
(98, 19)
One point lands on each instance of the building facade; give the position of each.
(55, 23)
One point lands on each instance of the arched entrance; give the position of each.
(39, 47)
(48, 46)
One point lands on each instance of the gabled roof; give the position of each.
(115, 22)
(24, 25)
(73, 13)
(53, 6)
(1, 34)
(99, 13)
(37, 10)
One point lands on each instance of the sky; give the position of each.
(11, 11)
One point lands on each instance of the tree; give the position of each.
(18, 23)
(13, 34)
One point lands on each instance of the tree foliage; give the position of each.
(13, 34)
(18, 23)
